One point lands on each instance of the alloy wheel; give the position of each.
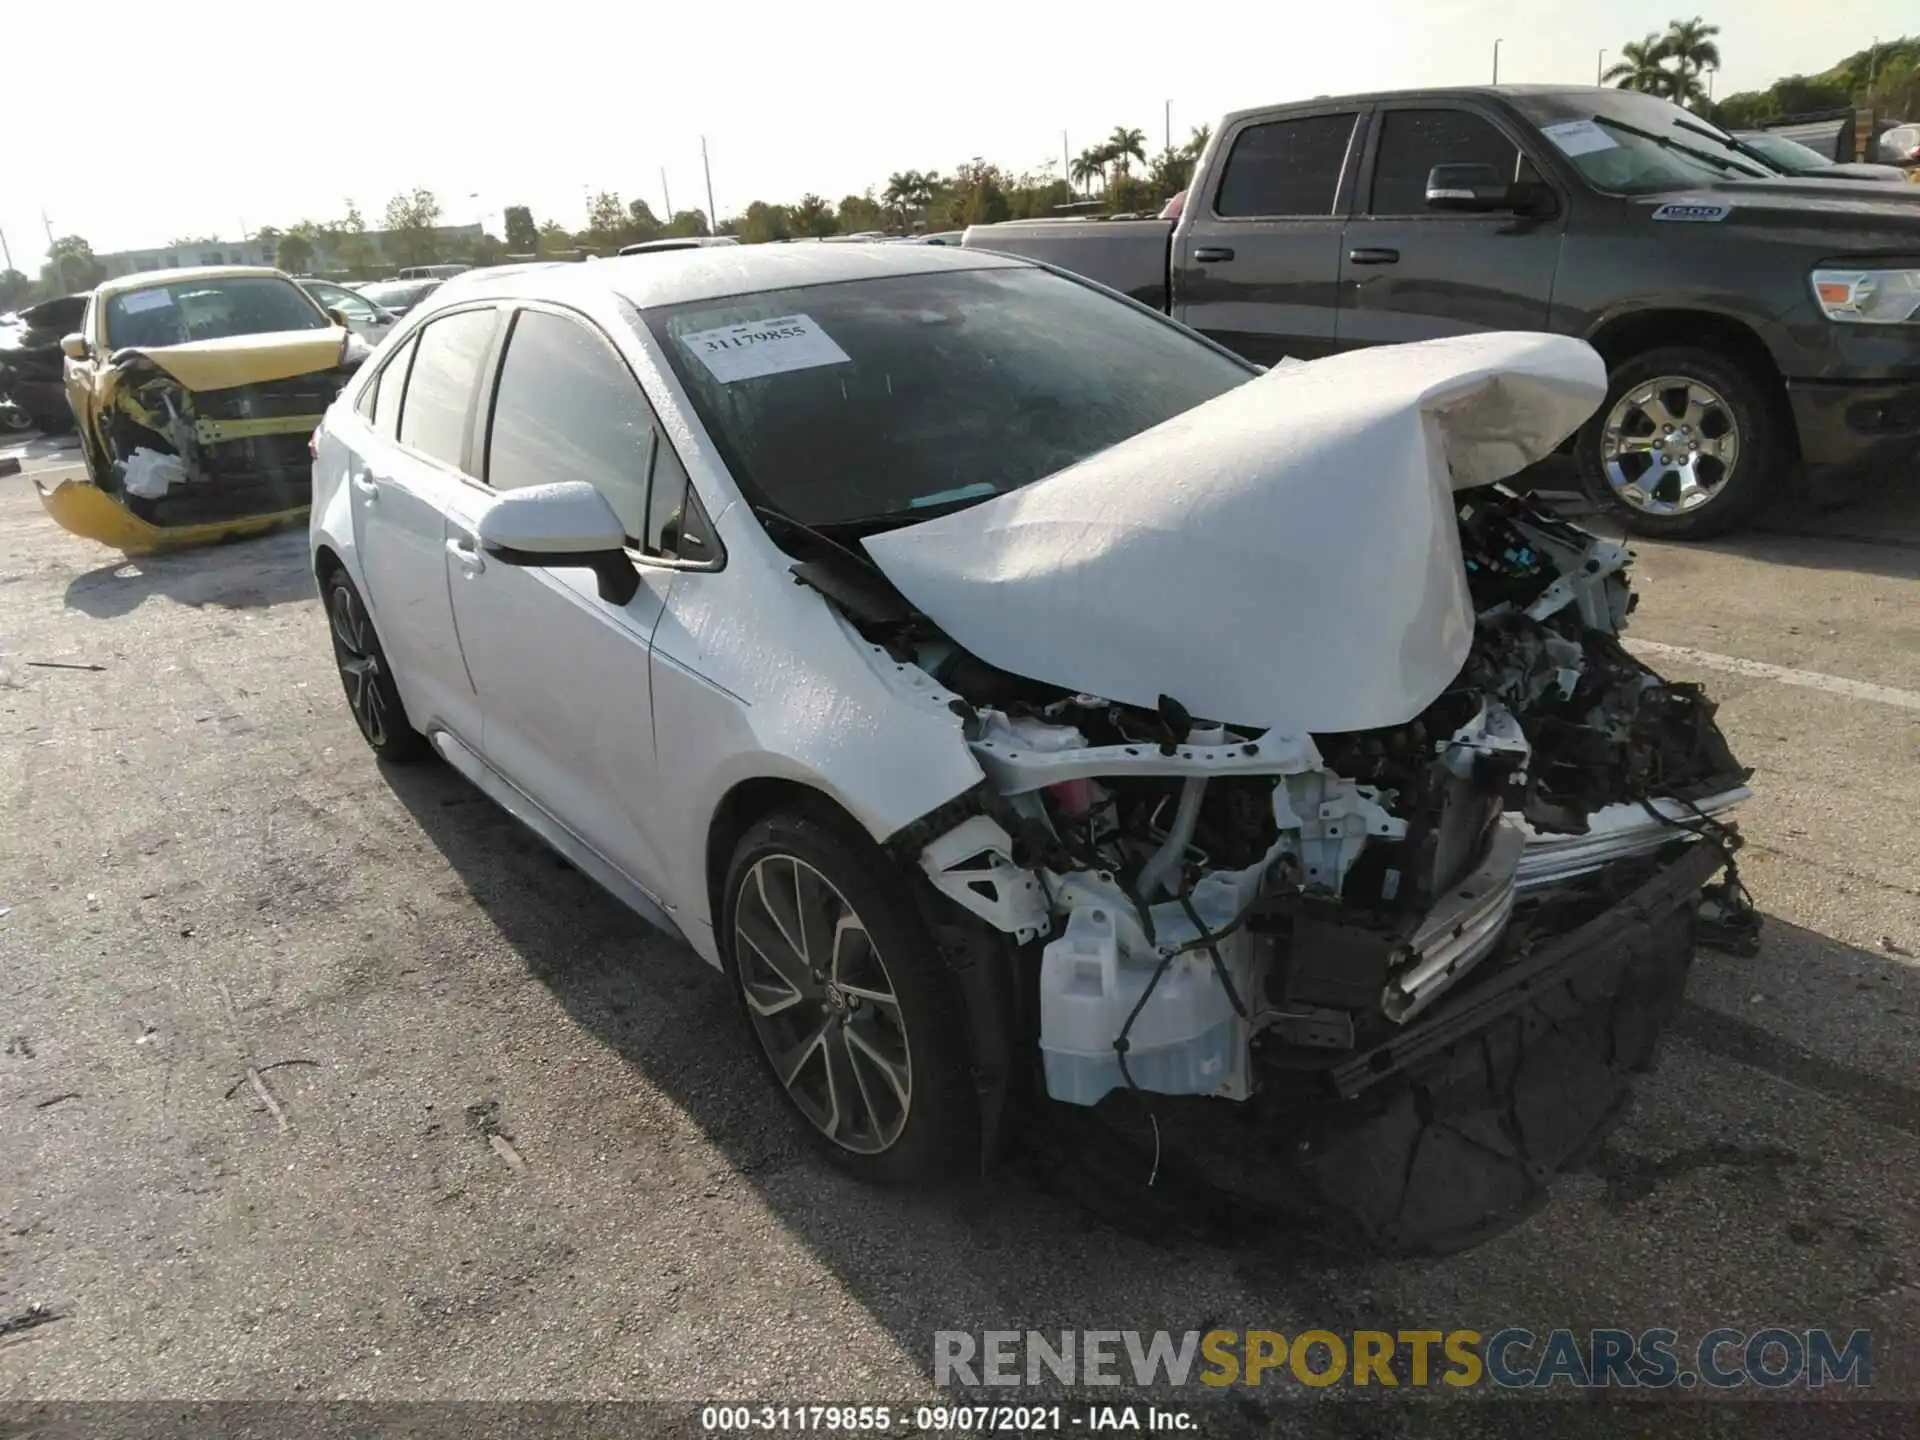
(822, 1004)
(1669, 446)
(359, 663)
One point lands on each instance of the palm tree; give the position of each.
(1197, 141)
(1689, 43)
(1124, 145)
(902, 185)
(1087, 165)
(1640, 66)
(909, 191)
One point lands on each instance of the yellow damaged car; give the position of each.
(197, 393)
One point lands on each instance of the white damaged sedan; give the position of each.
(1022, 700)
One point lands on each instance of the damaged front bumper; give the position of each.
(1620, 929)
(1618, 832)
(84, 509)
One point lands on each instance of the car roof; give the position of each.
(145, 278)
(670, 277)
(1439, 92)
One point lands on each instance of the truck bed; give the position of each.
(1125, 255)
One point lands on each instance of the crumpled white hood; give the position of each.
(1283, 557)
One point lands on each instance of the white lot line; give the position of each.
(1759, 669)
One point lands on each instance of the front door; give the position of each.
(563, 675)
(1256, 261)
(1410, 273)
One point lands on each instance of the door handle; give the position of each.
(466, 552)
(365, 486)
(1373, 257)
(1211, 254)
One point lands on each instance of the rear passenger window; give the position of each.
(380, 401)
(440, 389)
(1286, 167)
(1412, 142)
(567, 408)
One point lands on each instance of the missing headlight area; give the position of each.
(1203, 907)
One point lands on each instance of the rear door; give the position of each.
(1256, 261)
(404, 487)
(563, 675)
(1410, 273)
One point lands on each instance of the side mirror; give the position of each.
(568, 524)
(75, 346)
(1467, 187)
(339, 317)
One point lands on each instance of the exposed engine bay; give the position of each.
(1206, 899)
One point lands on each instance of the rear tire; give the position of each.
(847, 999)
(1687, 459)
(366, 676)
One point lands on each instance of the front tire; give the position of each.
(848, 999)
(1688, 444)
(366, 676)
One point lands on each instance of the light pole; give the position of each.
(713, 219)
(1496, 62)
(1600, 68)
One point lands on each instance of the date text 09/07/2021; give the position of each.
(936, 1419)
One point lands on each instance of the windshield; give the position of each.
(1685, 151)
(213, 309)
(399, 294)
(915, 393)
(1784, 154)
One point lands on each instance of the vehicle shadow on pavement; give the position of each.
(672, 1017)
(239, 574)
(1875, 533)
(1858, 544)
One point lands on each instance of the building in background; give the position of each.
(450, 241)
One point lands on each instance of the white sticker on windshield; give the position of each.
(764, 347)
(146, 300)
(1579, 137)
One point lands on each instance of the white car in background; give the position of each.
(366, 319)
(1019, 697)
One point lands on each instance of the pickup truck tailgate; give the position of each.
(1125, 255)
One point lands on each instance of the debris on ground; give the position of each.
(1887, 943)
(31, 1318)
(483, 1117)
(61, 665)
(49, 1104)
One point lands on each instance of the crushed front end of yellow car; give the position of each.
(204, 441)
(86, 510)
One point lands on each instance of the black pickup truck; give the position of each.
(1755, 326)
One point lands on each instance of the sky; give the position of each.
(199, 118)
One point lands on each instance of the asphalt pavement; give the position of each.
(321, 1080)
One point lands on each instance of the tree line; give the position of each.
(1675, 66)
(1115, 177)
